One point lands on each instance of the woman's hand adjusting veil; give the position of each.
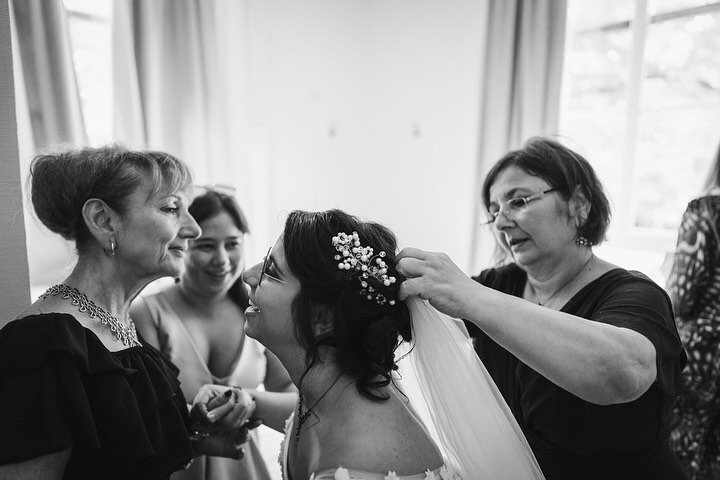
(435, 277)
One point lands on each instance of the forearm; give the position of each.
(46, 467)
(599, 363)
(273, 408)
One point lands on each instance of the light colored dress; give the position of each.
(340, 473)
(248, 372)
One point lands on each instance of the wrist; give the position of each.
(250, 410)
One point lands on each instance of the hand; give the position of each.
(218, 407)
(226, 444)
(435, 277)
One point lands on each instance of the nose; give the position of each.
(221, 256)
(251, 275)
(502, 221)
(190, 228)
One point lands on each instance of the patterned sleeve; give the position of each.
(690, 272)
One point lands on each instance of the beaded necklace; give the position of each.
(125, 333)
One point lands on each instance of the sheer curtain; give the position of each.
(180, 71)
(45, 69)
(49, 115)
(522, 73)
(15, 285)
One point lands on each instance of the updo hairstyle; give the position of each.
(61, 183)
(365, 333)
(564, 170)
(211, 204)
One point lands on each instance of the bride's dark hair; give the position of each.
(365, 333)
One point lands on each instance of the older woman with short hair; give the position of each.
(585, 352)
(83, 396)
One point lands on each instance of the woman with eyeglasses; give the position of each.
(585, 352)
(199, 324)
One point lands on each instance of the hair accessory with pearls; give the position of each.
(371, 268)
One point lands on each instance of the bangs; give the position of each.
(166, 173)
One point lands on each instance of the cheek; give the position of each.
(197, 259)
(235, 258)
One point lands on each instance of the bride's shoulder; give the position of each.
(383, 437)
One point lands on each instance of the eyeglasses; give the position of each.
(265, 270)
(514, 207)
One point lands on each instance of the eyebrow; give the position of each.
(512, 193)
(165, 198)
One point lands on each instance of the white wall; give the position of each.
(372, 107)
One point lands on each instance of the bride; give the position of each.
(324, 301)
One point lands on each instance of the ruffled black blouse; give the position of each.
(122, 412)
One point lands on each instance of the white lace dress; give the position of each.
(340, 473)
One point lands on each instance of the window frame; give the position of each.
(624, 233)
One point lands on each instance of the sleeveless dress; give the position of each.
(340, 473)
(248, 371)
(122, 412)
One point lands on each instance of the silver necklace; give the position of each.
(125, 333)
(567, 282)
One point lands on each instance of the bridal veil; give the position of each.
(459, 402)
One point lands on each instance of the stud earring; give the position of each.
(582, 241)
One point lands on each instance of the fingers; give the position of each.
(233, 450)
(209, 404)
(412, 287)
(205, 393)
(411, 267)
(218, 400)
(220, 411)
(410, 252)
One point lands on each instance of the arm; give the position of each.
(273, 408)
(141, 316)
(600, 363)
(46, 467)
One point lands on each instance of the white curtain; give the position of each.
(44, 68)
(49, 116)
(180, 70)
(522, 73)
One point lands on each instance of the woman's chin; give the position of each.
(249, 329)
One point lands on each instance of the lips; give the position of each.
(220, 274)
(178, 248)
(516, 241)
(252, 309)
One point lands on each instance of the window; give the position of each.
(89, 22)
(641, 99)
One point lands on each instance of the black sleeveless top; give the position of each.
(122, 412)
(576, 439)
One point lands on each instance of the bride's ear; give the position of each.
(322, 321)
